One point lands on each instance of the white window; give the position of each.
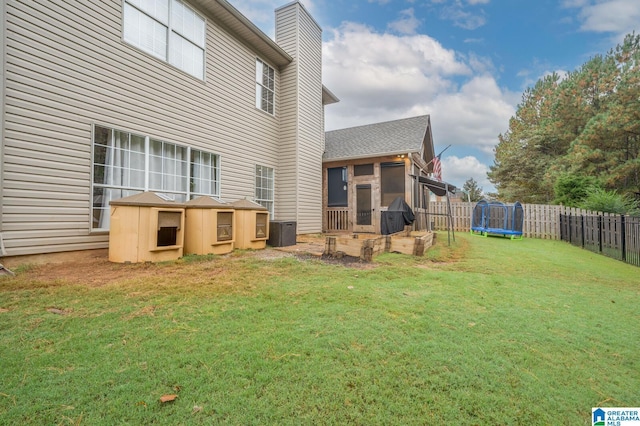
(126, 164)
(264, 187)
(169, 30)
(265, 87)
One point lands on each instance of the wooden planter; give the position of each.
(413, 242)
(366, 246)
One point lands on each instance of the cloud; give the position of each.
(406, 24)
(385, 76)
(474, 115)
(458, 170)
(617, 17)
(382, 77)
(461, 17)
(480, 64)
(385, 72)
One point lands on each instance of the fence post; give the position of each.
(582, 229)
(600, 233)
(623, 238)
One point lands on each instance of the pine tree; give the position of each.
(471, 191)
(584, 125)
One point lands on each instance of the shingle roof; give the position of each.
(392, 137)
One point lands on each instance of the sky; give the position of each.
(466, 63)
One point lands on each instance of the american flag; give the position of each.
(437, 168)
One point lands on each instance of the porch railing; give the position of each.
(337, 219)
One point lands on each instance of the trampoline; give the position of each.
(495, 218)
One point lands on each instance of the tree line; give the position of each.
(575, 139)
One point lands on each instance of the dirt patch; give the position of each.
(92, 267)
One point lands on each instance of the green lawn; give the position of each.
(488, 331)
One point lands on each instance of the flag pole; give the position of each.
(437, 156)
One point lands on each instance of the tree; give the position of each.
(471, 191)
(601, 200)
(585, 125)
(525, 151)
(571, 190)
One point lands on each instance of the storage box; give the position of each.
(282, 233)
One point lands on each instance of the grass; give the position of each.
(487, 331)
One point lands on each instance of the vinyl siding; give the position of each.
(67, 68)
(286, 37)
(310, 147)
(3, 43)
(300, 177)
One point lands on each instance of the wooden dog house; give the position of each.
(146, 228)
(209, 226)
(252, 225)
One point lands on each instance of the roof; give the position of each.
(245, 204)
(145, 199)
(206, 202)
(404, 136)
(236, 21)
(328, 97)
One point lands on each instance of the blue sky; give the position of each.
(464, 62)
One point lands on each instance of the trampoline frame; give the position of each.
(496, 218)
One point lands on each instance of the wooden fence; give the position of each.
(612, 235)
(540, 220)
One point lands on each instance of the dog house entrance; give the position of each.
(168, 226)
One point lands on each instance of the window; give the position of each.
(169, 30)
(363, 169)
(265, 87)
(126, 164)
(392, 177)
(337, 192)
(264, 187)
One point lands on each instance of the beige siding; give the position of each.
(68, 68)
(302, 130)
(310, 147)
(3, 26)
(287, 38)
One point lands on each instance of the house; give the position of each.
(366, 167)
(102, 99)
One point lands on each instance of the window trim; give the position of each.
(389, 166)
(263, 87)
(188, 193)
(170, 29)
(272, 188)
(344, 198)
